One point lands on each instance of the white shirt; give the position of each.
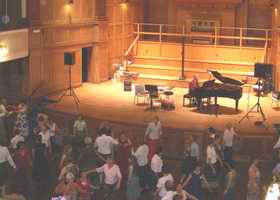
(46, 138)
(169, 195)
(154, 131)
(156, 164)
(104, 144)
(277, 145)
(112, 175)
(15, 140)
(6, 156)
(228, 137)
(194, 150)
(80, 125)
(211, 155)
(161, 184)
(141, 155)
(3, 110)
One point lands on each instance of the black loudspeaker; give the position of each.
(263, 70)
(127, 85)
(69, 58)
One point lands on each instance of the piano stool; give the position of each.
(190, 98)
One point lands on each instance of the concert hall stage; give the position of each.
(107, 101)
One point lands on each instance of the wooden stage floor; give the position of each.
(107, 101)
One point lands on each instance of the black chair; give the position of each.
(153, 94)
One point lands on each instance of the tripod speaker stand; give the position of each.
(257, 105)
(69, 60)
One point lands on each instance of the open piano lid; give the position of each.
(224, 79)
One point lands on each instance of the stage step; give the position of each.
(174, 71)
(198, 64)
(170, 81)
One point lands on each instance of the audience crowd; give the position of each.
(33, 148)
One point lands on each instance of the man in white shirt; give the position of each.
(16, 139)
(162, 183)
(5, 161)
(80, 127)
(3, 114)
(112, 176)
(228, 138)
(141, 155)
(153, 134)
(194, 152)
(211, 156)
(104, 144)
(156, 167)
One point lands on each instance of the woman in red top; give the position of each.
(23, 160)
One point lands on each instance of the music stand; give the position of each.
(70, 89)
(257, 105)
(153, 94)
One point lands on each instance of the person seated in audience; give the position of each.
(161, 184)
(72, 166)
(68, 188)
(80, 129)
(112, 176)
(193, 85)
(133, 189)
(184, 194)
(193, 183)
(170, 190)
(16, 139)
(230, 181)
(46, 137)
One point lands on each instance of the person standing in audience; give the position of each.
(23, 160)
(5, 161)
(194, 152)
(16, 139)
(187, 167)
(133, 189)
(254, 182)
(152, 135)
(46, 137)
(80, 129)
(141, 155)
(230, 182)
(156, 167)
(123, 153)
(3, 114)
(212, 158)
(193, 183)
(104, 144)
(40, 162)
(21, 120)
(161, 184)
(228, 138)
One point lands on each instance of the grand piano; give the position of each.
(229, 88)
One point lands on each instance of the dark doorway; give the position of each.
(85, 63)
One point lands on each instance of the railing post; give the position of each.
(160, 33)
(138, 30)
(216, 36)
(241, 37)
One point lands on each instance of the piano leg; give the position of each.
(236, 105)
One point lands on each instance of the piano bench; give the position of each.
(190, 98)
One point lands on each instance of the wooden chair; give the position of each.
(139, 91)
